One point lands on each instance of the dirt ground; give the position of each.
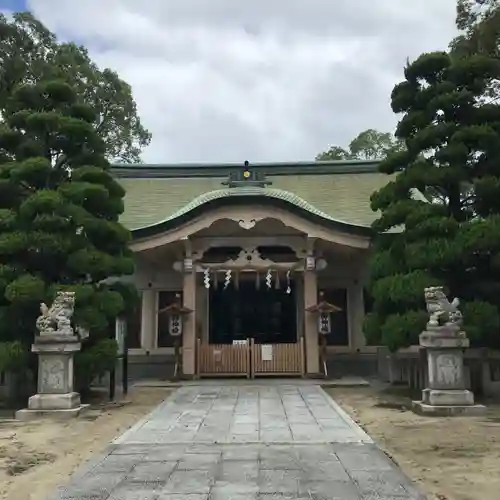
(456, 458)
(37, 457)
(450, 458)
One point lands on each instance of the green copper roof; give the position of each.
(278, 194)
(332, 191)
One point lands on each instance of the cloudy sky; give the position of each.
(263, 80)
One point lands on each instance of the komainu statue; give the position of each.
(441, 311)
(56, 319)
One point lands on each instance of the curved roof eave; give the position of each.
(243, 195)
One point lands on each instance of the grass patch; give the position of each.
(24, 462)
(18, 460)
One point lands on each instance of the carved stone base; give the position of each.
(421, 408)
(54, 401)
(64, 414)
(62, 406)
(437, 397)
(447, 403)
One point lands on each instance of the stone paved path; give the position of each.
(256, 442)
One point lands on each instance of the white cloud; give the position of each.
(226, 80)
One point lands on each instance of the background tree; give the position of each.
(59, 210)
(452, 139)
(30, 53)
(334, 153)
(478, 22)
(368, 145)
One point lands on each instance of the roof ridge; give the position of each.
(144, 170)
(238, 164)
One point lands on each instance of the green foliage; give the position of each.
(30, 53)
(451, 235)
(396, 330)
(13, 357)
(94, 361)
(482, 322)
(129, 294)
(25, 289)
(59, 211)
(368, 145)
(334, 153)
(478, 22)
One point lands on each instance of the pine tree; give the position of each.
(59, 210)
(439, 218)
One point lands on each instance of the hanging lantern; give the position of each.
(176, 313)
(323, 311)
(324, 323)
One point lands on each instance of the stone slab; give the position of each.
(257, 413)
(25, 415)
(347, 381)
(440, 339)
(439, 397)
(42, 402)
(148, 462)
(56, 343)
(421, 408)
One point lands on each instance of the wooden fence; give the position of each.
(250, 359)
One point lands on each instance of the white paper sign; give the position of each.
(120, 335)
(240, 342)
(266, 351)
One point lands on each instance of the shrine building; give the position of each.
(248, 269)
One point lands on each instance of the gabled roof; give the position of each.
(333, 192)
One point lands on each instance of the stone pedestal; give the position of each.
(56, 396)
(446, 394)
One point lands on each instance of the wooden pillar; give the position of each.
(310, 323)
(202, 312)
(355, 317)
(148, 319)
(189, 326)
(299, 304)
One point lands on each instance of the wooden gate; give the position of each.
(250, 360)
(223, 360)
(277, 359)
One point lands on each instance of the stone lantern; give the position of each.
(176, 313)
(323, 311)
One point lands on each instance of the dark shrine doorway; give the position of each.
(268, 315)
